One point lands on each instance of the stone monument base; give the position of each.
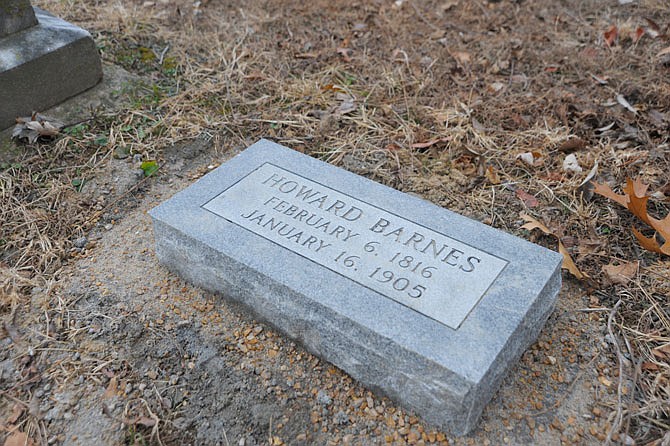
(413, 301)
(43, 65)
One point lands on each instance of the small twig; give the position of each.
(162, 56)
(483, 9)
(591, 310)
(16, 400)
(423, 18)
(67, 126)
(154, 430)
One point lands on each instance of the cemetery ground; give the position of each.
(500, 111)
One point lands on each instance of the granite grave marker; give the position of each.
(15, 15)
(422, 304)
(43, 60)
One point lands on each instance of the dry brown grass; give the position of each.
(358, 85)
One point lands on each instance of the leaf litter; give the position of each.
(635, 199)
(36, 126)
(568, 262)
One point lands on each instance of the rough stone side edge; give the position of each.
(527, 331)
(416, 384)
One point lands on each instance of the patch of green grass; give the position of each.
(136, 58)
(149, 167)
(76, 131)
(146, 95)
(347, 78)
(169, 66)
(78, 183)
(134, 438)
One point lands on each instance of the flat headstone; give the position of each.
(414, 301)
(15, 15)
(43, 65)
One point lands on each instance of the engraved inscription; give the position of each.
(415, 266)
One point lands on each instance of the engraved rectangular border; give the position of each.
(339, 273)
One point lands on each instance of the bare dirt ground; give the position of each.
(477, 106)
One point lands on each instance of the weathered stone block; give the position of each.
(414, 301)
(43, 65)
(15, 15)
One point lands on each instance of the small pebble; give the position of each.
(341, 418)
(323, 398)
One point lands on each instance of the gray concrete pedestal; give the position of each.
(44, 64)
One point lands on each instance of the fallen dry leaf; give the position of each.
(461, 57)
(492, 175)
(568, 263)
(446, 6)
(607, 192)
(650, 366)
(527, 158)
(345, 53)
(571, 145)
(495, 87)
(648, 243)
(18, 438)
(610, 35)
(17, 411)
(332, 87)
(653, 25)
(111, 388)
(34, 127)
(625, 104)
(604, 381)
(347, 103)
(527, 198)
(465, 164)
(662, 352)
(588, 246)
(621, 274)
(346, 107)
(592, 173)
(635, 200)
